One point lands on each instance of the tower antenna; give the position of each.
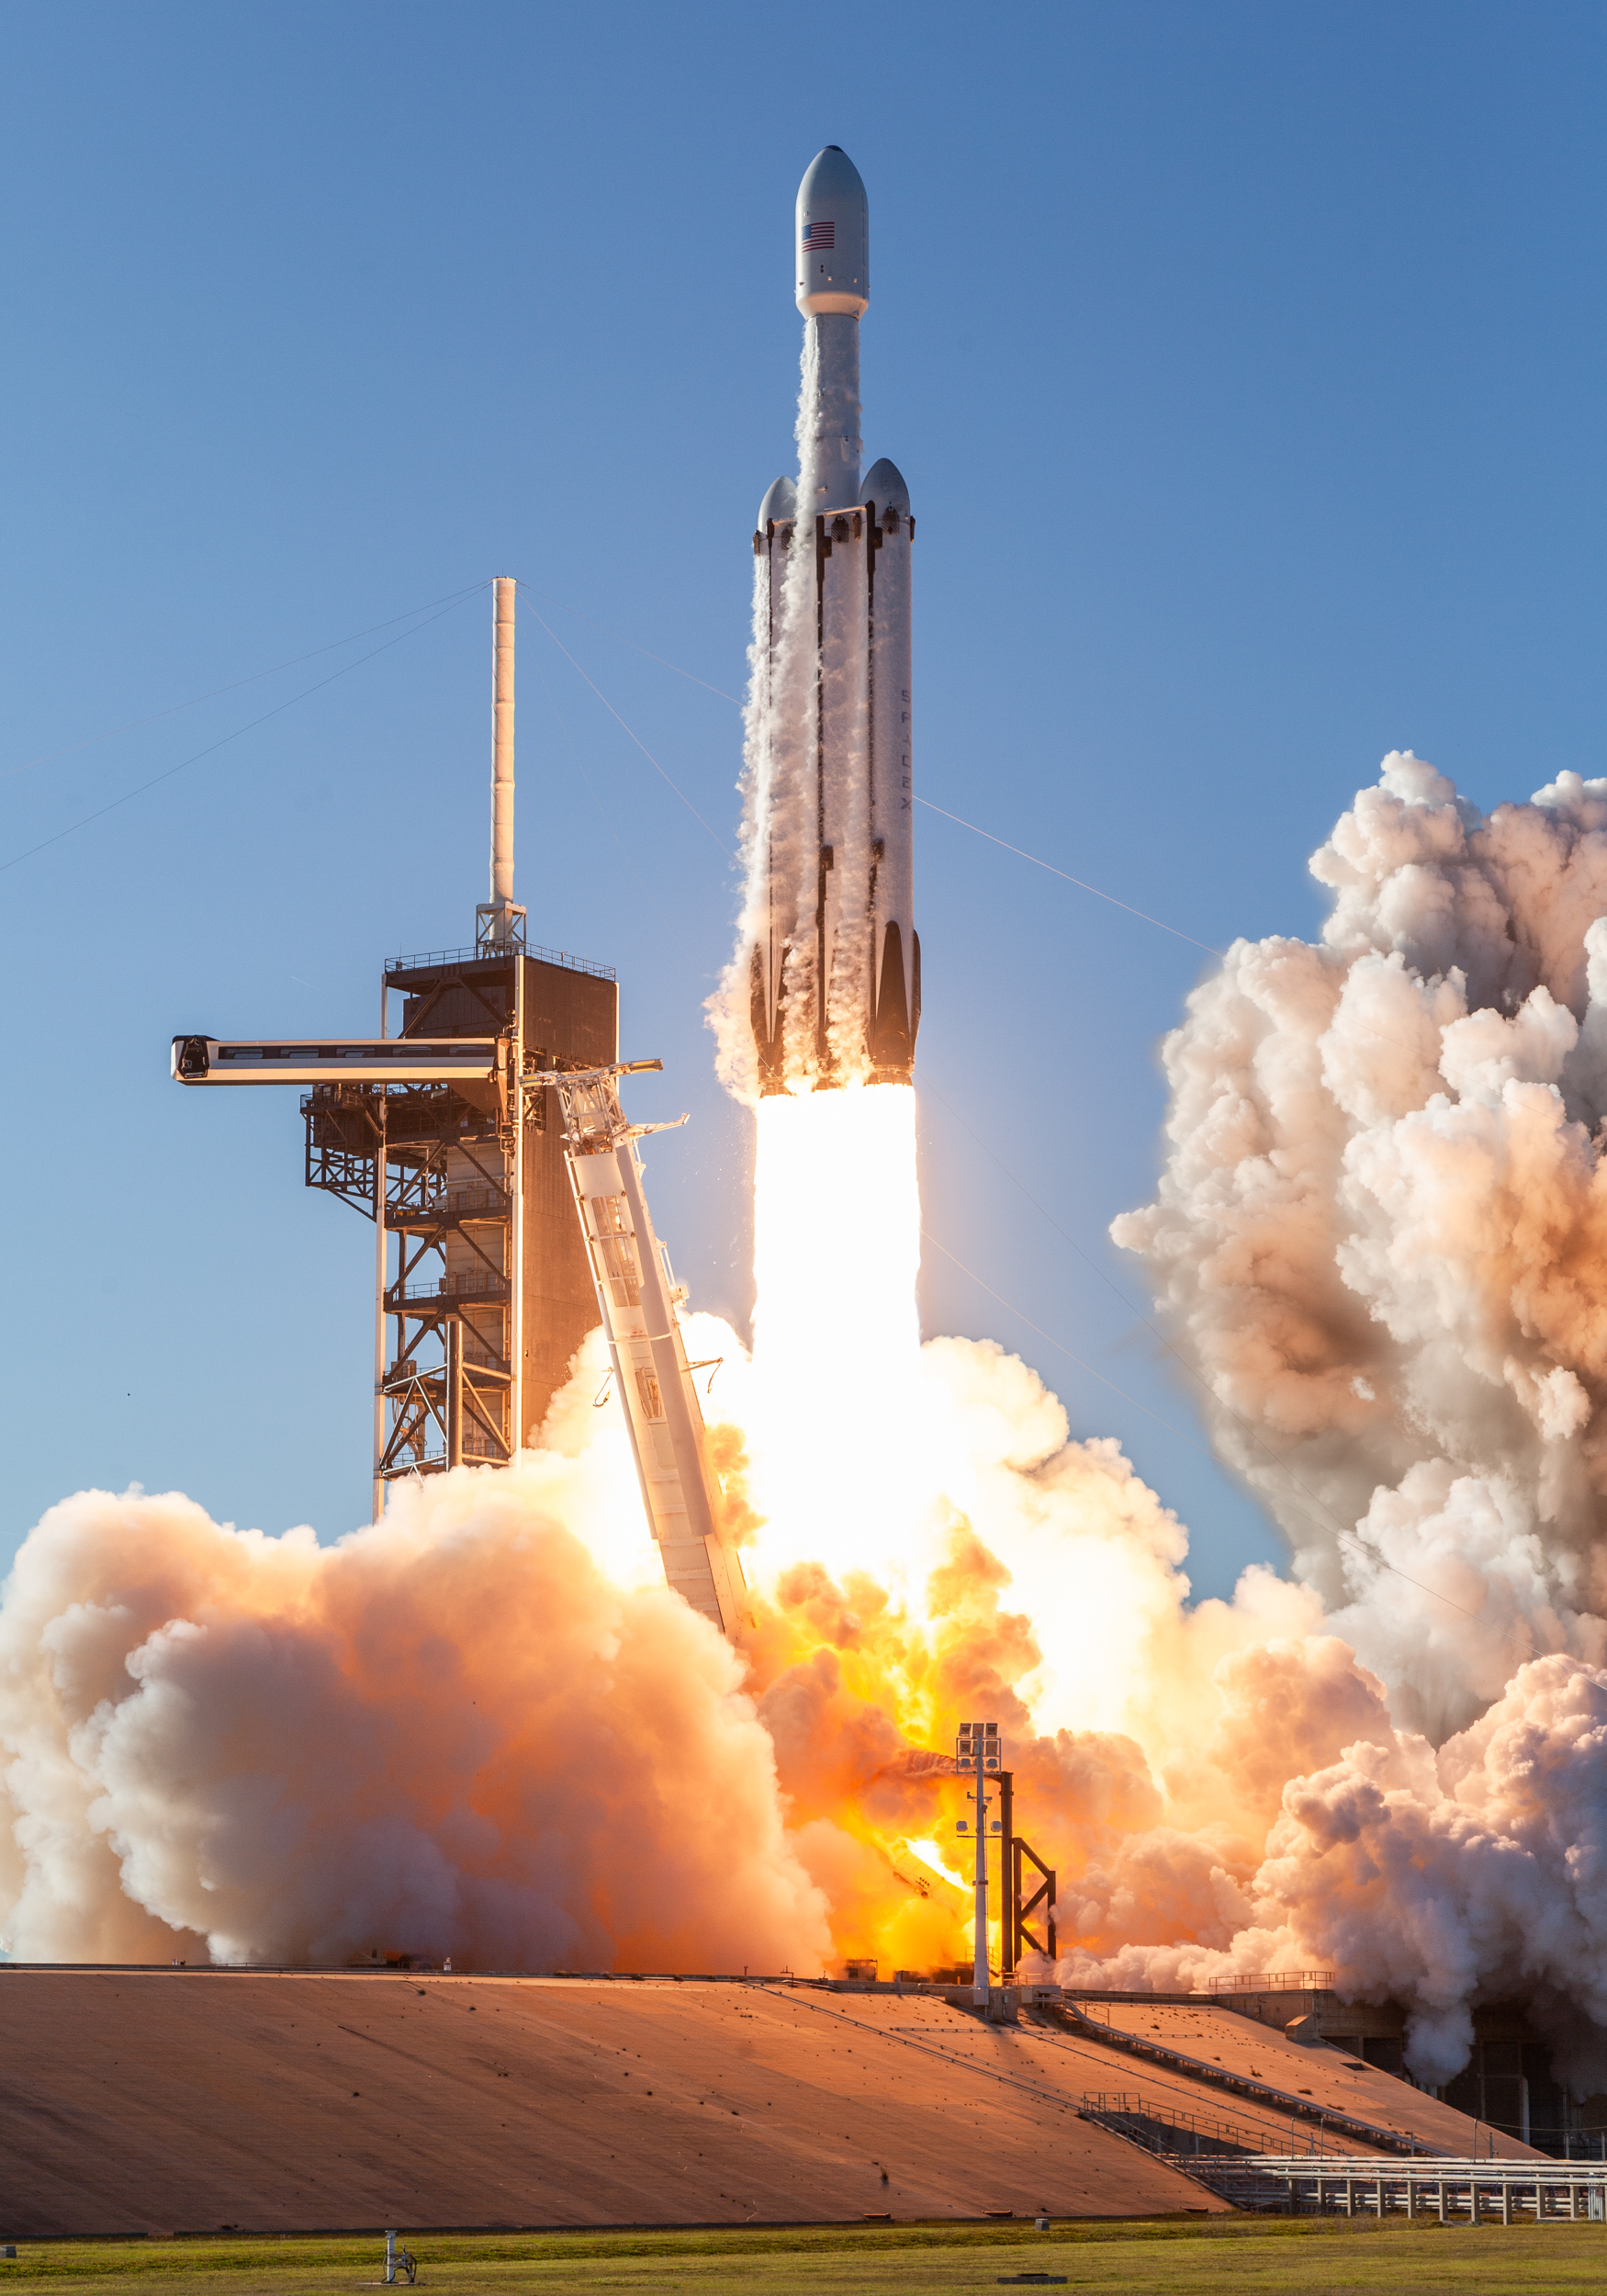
(499, 922)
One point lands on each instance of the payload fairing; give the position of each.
(835, 965)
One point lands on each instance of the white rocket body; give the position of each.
(835, 965)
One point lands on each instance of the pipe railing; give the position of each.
(434, 960)
(1162, 2129)
(1452, 2191)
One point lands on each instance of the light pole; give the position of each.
(979, 1752)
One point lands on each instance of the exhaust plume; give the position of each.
(483, 1727)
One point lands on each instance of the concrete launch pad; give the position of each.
(199, 2101)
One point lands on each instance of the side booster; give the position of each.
(834, 700)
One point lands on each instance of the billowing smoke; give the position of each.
(779, 837)
(1377, 1238)
(1379, 1232)
(454, 1733)
(485, 1728)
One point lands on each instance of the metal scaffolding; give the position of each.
(456, 1177)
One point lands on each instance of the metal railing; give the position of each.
(441, 1200)
(1160, 2129)
(1570, 2144)
(475, 1286)
(1220, 2076)
(478, 1196)
(1451, 2192)
(429, 960)
(1277, 1981)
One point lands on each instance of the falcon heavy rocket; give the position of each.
(835, 966)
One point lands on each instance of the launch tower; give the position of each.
(440, 1134)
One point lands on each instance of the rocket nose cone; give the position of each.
(831, 175)
(780, 503)
(883, 485)
(833, 236)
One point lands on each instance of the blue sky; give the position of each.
(1246, 364)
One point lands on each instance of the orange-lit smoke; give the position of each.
(485, 1729)
(452, 1733)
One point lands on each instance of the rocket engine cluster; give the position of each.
(834, 963)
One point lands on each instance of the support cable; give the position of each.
(1081, 883)
(608, 820)
(222, 742)
(636, 737)
(618, 637)
(173, 709)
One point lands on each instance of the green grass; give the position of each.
(1234, 2256)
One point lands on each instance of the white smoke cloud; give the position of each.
(1432, 1880)
(1377, 1231)
(779, 840)
(452, 1733)
(485, 1728)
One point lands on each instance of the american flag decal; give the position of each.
(819, 235)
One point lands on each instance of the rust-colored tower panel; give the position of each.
(571, 1021)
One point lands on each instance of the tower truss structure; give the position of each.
(483, 1291)
(440, 1134)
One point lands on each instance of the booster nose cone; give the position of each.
(833, 236)
(781, 503)
(885, 486)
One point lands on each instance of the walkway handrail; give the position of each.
(1243, 2085)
